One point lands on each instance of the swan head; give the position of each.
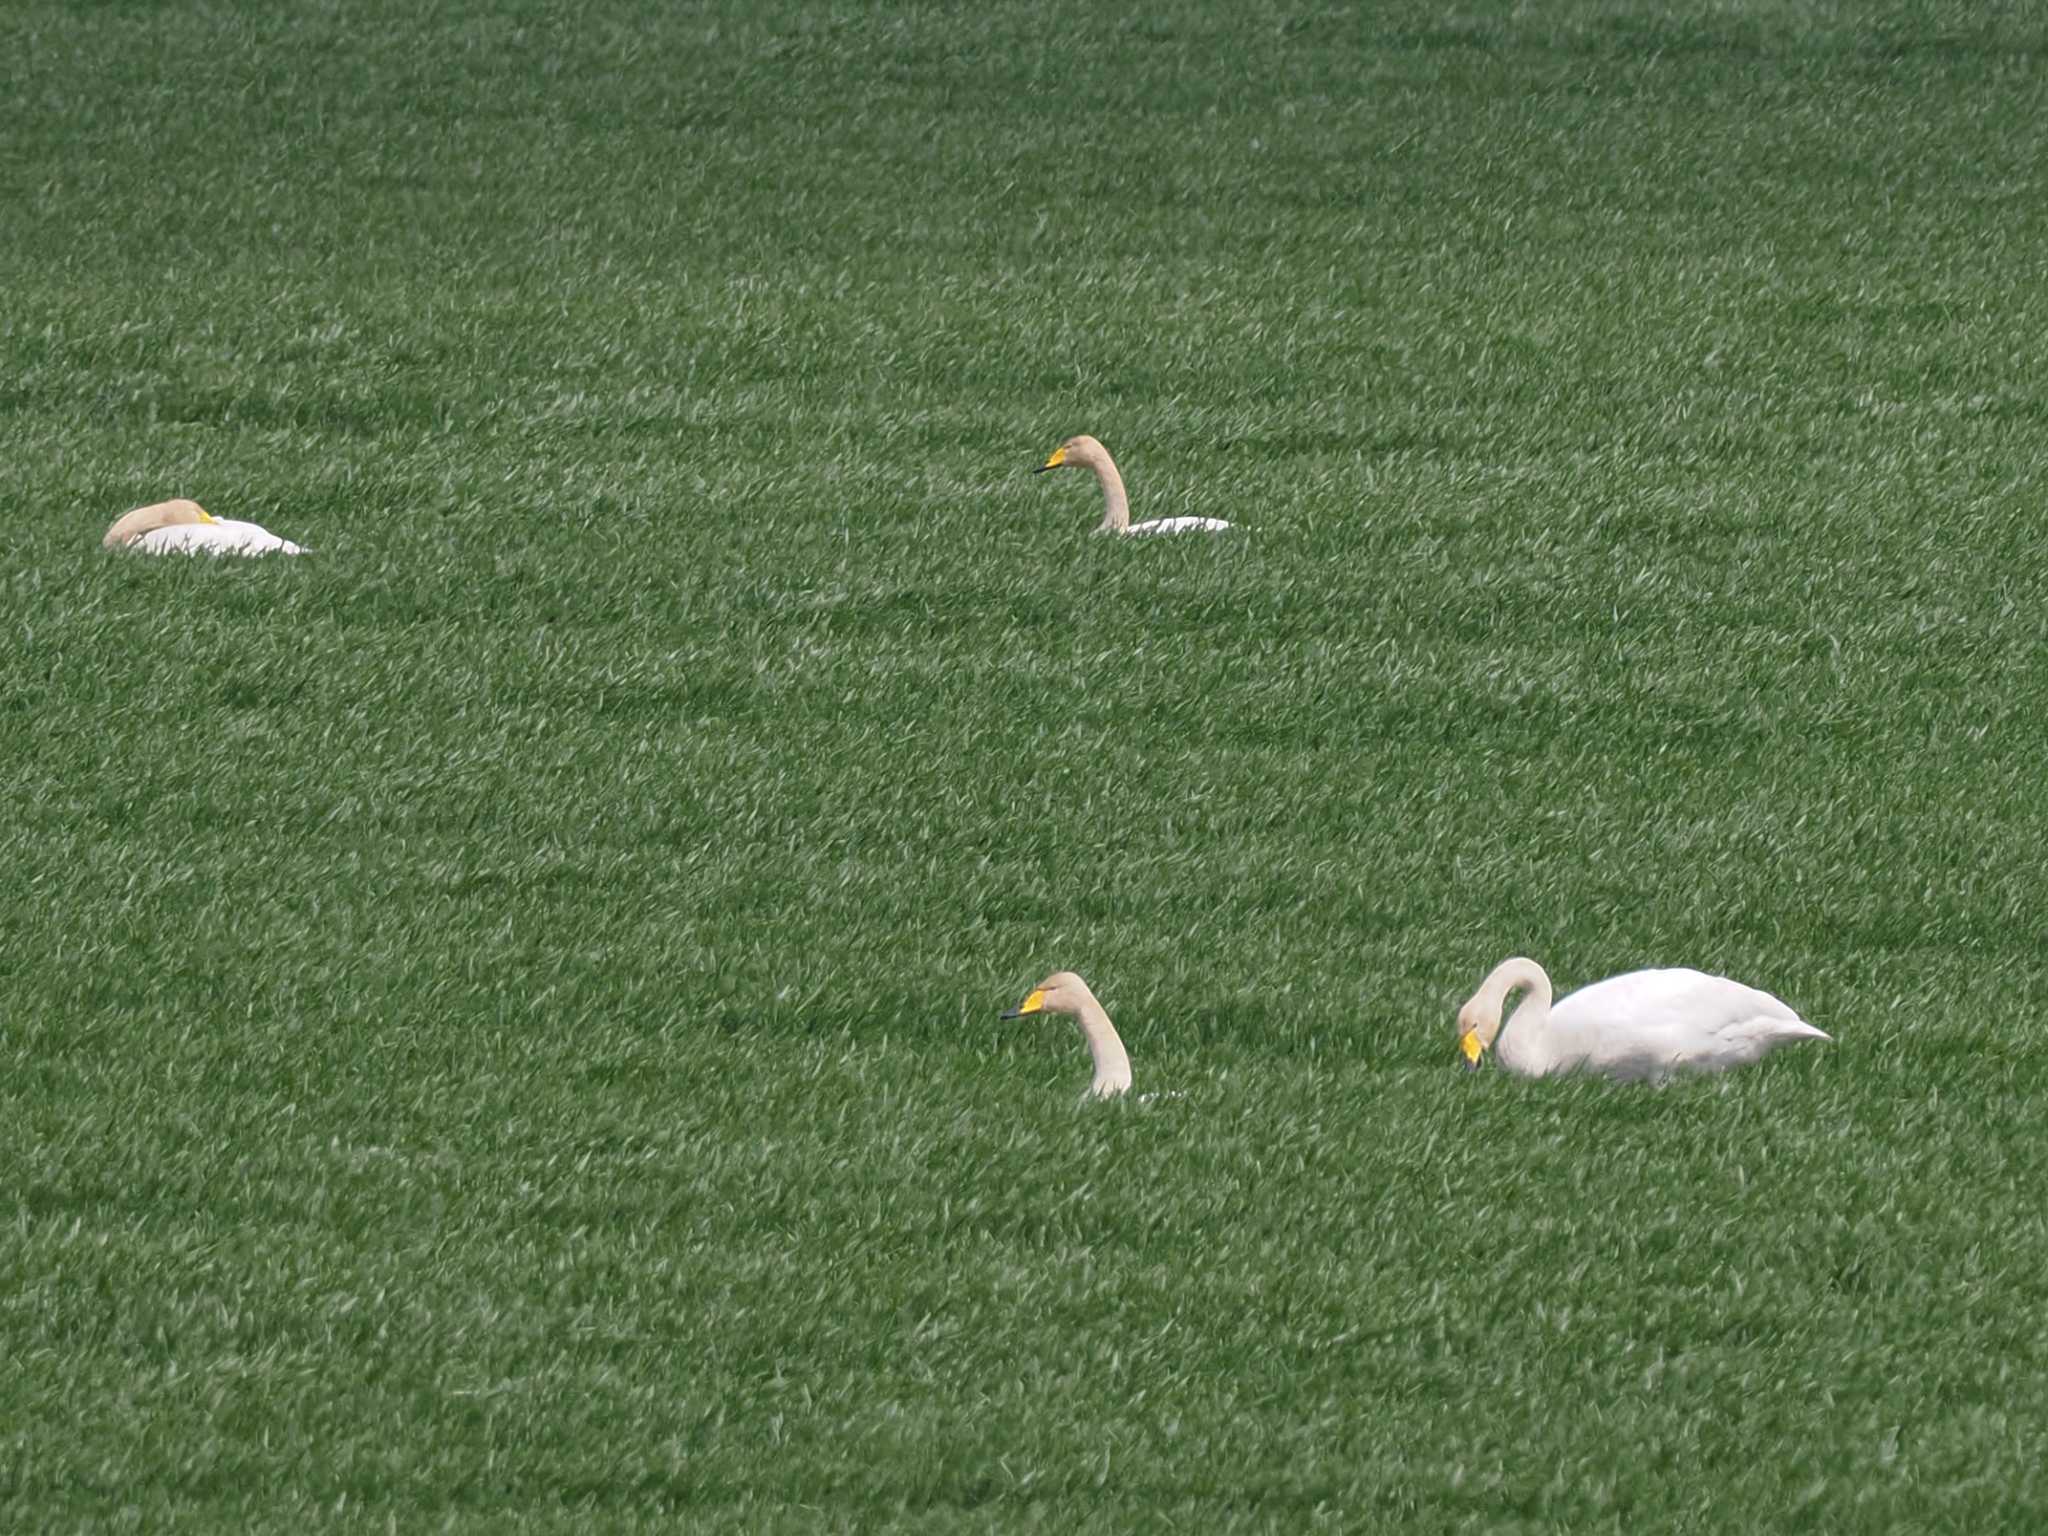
(1472, 1033)
(1061, 992)
(131, 526)
(1064, 992)
(1081, 452)
(1480, 1020)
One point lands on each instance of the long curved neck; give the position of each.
(1510, 976)
(1112, 1062)
(1116, 506)
(131, 526)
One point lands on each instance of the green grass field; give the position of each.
(498, 1021)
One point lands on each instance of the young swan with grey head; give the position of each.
(1064, 992)
(1641, 1025)
(184, 527)
(1084, 452)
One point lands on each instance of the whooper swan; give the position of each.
(1086, 453)
(185, 528)
(1645, 1024)
(1064, 992)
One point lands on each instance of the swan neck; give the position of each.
(1116, 506)
(1106, 1047)
(131, 526)
(1509, 977)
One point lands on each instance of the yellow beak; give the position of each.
(1468, 1042)
(1056, 458)
(1030, 1004)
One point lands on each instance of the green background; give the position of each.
(498, 1020)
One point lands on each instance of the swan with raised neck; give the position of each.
(1085, 452)
(1064, 992)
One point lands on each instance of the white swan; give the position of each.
(1645, 1024)
(1064, 992)
(1086, 453)
(185, 527)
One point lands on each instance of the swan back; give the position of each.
(1179, 525)
(1650, 1024)
(239, 538)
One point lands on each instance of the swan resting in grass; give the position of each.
(1064, 992)
(1084, 452)
(185, 528)
(1642, 1025)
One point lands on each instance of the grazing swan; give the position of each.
(1064, 992)
(185, 527)
(1086, 453)
(1646, 1024)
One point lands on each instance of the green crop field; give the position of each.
(498, 1018)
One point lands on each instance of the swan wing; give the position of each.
(223, 536)
(181, 539)
(1177, 525)
(252, 539)
(1651, 1023)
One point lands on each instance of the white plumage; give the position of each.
(1644, 1024)
(185, 528)
(1177, 525)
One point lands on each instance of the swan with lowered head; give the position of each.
(1645, 1024)
(185, 528)
(1084, 452)
(1064, 992)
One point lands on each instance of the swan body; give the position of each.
(1176, 525)
(185, 528)
(1084, 452)
(1064, 992)
(1642, 1025)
